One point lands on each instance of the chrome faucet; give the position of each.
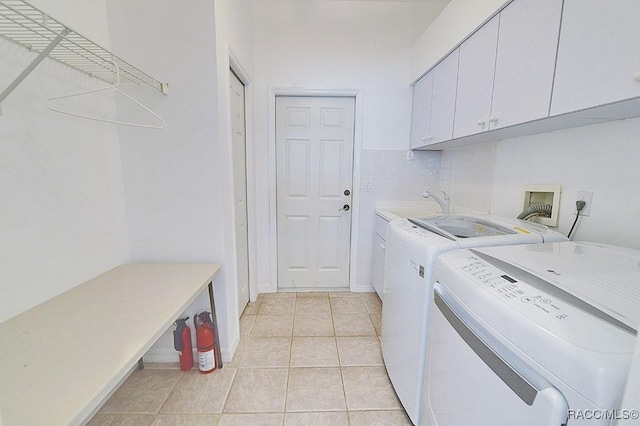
(444, 201)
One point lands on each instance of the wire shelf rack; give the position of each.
(35, 30)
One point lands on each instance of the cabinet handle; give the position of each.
(493, 119)
(480, 122)
(636, 77)
(382, 246)
(424, 139)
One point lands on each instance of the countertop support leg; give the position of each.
(34, 64)
(214, 318)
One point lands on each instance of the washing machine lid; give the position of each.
(480, 230)
(459, 226)
(603, 280)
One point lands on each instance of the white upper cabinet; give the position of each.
(421, 111)
(537, 65)
(475, 80)
(434, 100)
(598, 54)
(443, 101)
(526, 55)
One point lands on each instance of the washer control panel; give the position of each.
(509, 289)
(491, 291)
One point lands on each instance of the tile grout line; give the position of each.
(169, 395)
(373, 310)
(293, 326)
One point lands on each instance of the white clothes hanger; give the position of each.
(114, 88)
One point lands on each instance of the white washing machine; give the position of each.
(532, 335)
(412, 247)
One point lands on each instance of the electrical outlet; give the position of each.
(585, 196)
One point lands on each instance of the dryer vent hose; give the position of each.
(536, 210)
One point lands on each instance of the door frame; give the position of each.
(355, 201)
(243, 76)
(240, 260)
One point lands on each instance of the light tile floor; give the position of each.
(303, 359)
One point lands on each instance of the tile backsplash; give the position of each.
(466, 174)
(387, 175)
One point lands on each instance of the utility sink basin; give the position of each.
(459, 226)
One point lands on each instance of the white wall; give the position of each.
(173, 178)
(62, 209)
(387, 175)
(467, 175)
(328, 45)
(600, 158)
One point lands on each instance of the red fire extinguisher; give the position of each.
(182, 343)
(205, 339)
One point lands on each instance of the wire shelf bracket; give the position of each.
(30, 27)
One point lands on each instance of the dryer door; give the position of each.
(468, 383)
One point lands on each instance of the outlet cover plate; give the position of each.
(587, 197)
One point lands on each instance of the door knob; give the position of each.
(347, 192)
(345, 208)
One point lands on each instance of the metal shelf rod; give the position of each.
(33, 64)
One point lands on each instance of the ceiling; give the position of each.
(442, 2)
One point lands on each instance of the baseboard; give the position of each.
(171, 355)
(161, 355)
(366, 288)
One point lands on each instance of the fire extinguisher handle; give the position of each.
(181, 323)
(207, 318)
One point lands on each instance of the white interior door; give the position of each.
(240, 187)
(314, 155)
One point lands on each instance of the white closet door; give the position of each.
(314, 154)
(240, 188)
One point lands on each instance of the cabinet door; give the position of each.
(421, 111)
(443, 104)
(525, 62)
(377, 264)
(598, 54)
(475, 80)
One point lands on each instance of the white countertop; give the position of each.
(61, 359)
(394, 210)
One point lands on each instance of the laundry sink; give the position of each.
(460, 226)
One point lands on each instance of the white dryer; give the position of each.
(412, 247)
(535, 335)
